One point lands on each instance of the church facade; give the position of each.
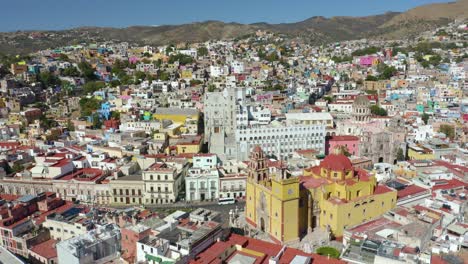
(332, 196)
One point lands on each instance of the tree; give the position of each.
(63, 57)
(97, 123)
(114, 83)
(388, 72)
(70, 126)
(448, 130)
(17, 167)
(371, 78)
(87, 71)
(163, 76)
(365, 51)
(195, 82)
(181, 58)
(328, 251)
(400, 155)
(202, 51)
(211, 88)
(328, 99)
(115, 115)
(425, 118)
(48, 79)
(91, 87)
(88, 106)
(371, 91)
(377, 110)
(71, 71)
(170, 49)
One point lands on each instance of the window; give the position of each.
(349, 215)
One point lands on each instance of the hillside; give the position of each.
(391, 25)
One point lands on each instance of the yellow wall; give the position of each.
(341, 215)
(176, 118)
(193, 148)
(415, 155)
(281, 204)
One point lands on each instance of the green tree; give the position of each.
(181, 58)
(329, 99)
(202, 51)
(87, 71)
(328, 251)
(387, 72)
(170, 49)
(70, 126)
(88, 106)
(48, 79)
(97, 122)
(115, 115)
(400, 155)
(448, 130)
(377, 110)
(63, 57)
(365, 51)
(195, 82)
(371, 78)
(17, 167)
(114, 83)
(71, 71)
(163, 76)
(91, 87)
(425, 118)
(211, 88)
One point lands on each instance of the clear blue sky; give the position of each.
(62, 14)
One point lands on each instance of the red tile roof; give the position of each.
(410, 190)
(46, 249)
(210, 255)
(343, 138)
(451, 184)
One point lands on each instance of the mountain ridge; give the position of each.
(316, 29)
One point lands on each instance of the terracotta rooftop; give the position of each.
(260, 250)
(46, 249)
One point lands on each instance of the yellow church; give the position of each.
(333, 196)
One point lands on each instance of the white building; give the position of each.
(237, 67)
(101, 245)
(341, 107)
(279, 139)
(202, 181)
(156, 249)
(312, 118)
(217, 71)
(162, 183)
(147, 126)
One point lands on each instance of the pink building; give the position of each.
(367, 61)
(351, 142)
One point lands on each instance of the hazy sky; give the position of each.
(62, 14)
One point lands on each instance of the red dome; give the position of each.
(336, 162)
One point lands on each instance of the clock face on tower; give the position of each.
(290, 191)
